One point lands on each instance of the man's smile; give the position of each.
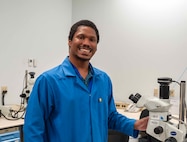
(85, 49)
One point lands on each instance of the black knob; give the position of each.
(27, 91)
(158, 130)
(171, 139)
(23, 95)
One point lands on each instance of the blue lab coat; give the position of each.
(61, 108)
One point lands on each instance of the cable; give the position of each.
(176, 82)
(180, 76)
(179, 120)
(3, 97)
(23, 95)
(14, 114)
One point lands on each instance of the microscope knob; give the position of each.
(158, 130)
(171, 139)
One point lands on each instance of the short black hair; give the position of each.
(83, 23)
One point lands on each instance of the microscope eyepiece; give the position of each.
(135, 97)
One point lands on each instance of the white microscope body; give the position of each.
(159, 124)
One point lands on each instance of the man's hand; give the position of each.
(141, 124)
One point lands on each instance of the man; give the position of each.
(73, 102)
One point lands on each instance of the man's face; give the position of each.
(84, 44)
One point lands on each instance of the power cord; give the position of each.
(3, 97)
(14, 114)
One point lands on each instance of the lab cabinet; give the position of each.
(10, 135)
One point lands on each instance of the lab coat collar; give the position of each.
(69, 70)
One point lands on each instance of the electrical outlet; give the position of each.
(120, 105)
(4, 89)
(30, 62)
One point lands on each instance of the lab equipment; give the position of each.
(29, 83)
(132, 108)
(160, 124)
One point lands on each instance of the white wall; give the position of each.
(31, 29)
(141, 40)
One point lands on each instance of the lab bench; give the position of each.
(11, 130)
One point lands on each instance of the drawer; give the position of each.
(10, 137)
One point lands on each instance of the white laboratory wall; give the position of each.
(141, 40)
(35, 29)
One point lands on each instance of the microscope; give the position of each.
(29, 82)
(160, 124)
